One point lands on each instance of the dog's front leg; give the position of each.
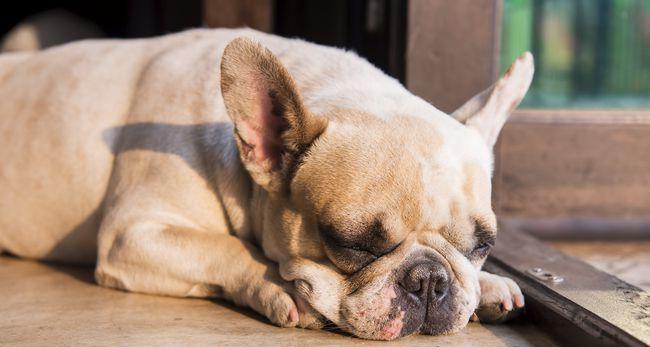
(158, 259)
(500, 298)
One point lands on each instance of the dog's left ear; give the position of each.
(272, 127)
(488, 111)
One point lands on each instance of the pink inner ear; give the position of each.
(262, 130)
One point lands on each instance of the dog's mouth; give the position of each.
(402, 315)
(397, 309)
(424, 296)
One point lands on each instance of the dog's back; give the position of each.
(57, 149)
(55, 167)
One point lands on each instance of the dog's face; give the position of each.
(382, 225)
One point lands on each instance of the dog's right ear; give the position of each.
(488, 111)
(272, 127)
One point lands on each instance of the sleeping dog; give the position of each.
(292, 178)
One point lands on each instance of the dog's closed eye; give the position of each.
(481, 249)
(355, 259)
(353, 251)
(485, 239)
(361, 257)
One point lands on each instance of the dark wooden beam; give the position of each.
(587, 308)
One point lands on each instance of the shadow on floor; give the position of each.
(85, 274)
(80, 273)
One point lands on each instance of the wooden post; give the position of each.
(452, 49)
(256, 14)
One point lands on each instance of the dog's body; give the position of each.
(134, 139)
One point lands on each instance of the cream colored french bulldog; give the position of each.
(296, 179)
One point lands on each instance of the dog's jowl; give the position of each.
(295, 179)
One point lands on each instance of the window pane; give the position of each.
(589, 53)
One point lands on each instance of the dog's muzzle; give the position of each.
(425, 293)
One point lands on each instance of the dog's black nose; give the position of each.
(428, 280)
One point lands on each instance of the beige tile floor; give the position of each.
(46, 305)
(629, 260)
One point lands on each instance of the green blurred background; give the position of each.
(589, 53)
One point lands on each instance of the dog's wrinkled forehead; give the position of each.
(392, 172)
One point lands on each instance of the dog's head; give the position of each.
(381, 224)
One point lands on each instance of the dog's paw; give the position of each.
(285, 308)
(501, 299)
(277, 305)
